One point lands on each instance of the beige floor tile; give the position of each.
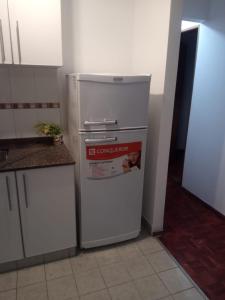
(151, 288)
(30, 276)
(126, 291)
(108, 256)
(8, 281)
(130, 250)
(84, 262)
(149, 245)
(102, 295)
(161, 261)
(33, 292)
(115, 274)
(175, 280)
(62, 288)
(191, 294)
(90, 281)
(138, 267)
(58, 269)
(9, 295)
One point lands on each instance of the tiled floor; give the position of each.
(138, 270)
(195, 235)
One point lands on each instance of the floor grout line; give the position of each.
(182, 269)
(122, 260)
(46, 281)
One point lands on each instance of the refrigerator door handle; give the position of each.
(99, 123)
(103, 140)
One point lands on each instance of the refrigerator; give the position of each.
(108, 120)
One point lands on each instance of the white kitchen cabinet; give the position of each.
(35, 32)
(5, 43)
(47, 205)
(10, 233)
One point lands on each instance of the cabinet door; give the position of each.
(10, 234)
(5, 43)
(36, 32)
(47, 202)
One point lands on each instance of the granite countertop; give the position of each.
(38, 153)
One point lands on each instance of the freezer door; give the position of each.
(112, 103)
(111, 186)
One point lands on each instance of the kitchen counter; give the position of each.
(35, 153)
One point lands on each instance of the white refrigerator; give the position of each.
(108, 119)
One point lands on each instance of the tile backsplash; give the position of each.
(28, 95)
(27, 105)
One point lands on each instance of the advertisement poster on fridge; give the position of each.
(113, 160)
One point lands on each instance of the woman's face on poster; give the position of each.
(133, 157)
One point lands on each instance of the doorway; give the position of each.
(182, 103)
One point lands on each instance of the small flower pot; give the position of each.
(58, 140)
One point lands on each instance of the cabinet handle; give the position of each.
(25, 190)
(2, 42)
(8, 192)
(18, 41)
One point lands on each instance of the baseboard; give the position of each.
(37, 260)
(196, 198)
(157, 233)
(146, 225)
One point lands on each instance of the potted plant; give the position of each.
(50, 129)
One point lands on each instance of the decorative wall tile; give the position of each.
(27, 105)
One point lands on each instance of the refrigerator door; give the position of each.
(108, 102)
(111, 186)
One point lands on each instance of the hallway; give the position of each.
(195, 236)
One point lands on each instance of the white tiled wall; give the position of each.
(27, 84)
(7, 124)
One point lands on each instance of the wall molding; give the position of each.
(29, 105)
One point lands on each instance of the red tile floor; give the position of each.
(195, 236)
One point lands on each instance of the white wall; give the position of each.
(151, 50)
(204, 169)
(196, 10)
(157, 190)
(149, 56)
(103, 35)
